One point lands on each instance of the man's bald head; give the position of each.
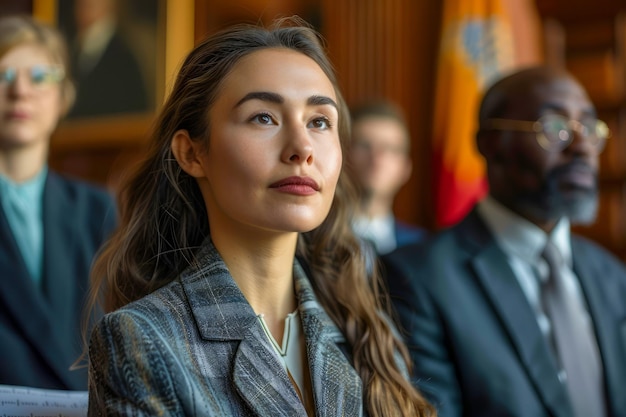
(500, 96)
(539, 183)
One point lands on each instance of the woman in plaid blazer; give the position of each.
(234, 284)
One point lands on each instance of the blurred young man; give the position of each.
(379, 157)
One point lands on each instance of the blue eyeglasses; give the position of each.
(38, 75)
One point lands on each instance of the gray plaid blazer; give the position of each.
(196, 348)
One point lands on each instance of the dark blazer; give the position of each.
(475, 341)
(40, 327)
(195, 347)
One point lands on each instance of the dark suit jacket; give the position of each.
(40, 327)
(475, 341)
(195, 347)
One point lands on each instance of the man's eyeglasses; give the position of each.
(38, 75)
(555, 132)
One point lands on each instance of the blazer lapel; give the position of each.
(12, 263)
(20, 294)
(606, 311)
(261, 380)
(30, 309)
(337, 387)
(60, 245)
(63, 294)
(501, 286)
(222, 314)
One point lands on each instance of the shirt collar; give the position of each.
(367, 224)
(519, 237)
(30, 190)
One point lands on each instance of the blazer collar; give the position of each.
(218, 306)
(501, 287)
(337, 387)
(222, 313)
(37, 309)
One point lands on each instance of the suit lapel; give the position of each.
(222, 314)
(12, 265)
(337, 387)
(32, 310)
(59, 246)
(519, 321)
(261, 380)
(61, 285)
(20, 294)
(596, 281)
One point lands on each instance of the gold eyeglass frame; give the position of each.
(537, 128)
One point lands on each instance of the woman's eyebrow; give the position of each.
(278, 99)
(263, 96)
(322, 100)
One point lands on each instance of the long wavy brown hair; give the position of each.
(163, 220)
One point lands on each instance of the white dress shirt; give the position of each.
(523, 242)
(380, 231)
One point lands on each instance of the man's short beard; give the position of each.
(579, 205)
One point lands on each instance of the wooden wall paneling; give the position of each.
(8, 7)
(609, 230)
(101, 151)
(599, 73)
(589, 38)
(388, 49)
(612, 159)
(213, 15)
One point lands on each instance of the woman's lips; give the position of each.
(296, 185)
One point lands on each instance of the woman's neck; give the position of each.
(262, 267)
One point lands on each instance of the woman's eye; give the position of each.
(321, 123)
(263, 118)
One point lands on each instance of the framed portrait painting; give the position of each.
(124, 55)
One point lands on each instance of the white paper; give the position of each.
(16, 401)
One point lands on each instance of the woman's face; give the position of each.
(274, 155)
(30, 97)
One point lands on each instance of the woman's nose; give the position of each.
(299, 147)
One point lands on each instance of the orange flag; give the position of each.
(476, 47)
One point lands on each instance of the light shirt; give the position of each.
(23, 207)
(380, 231)
(523, 242)
(290, 353)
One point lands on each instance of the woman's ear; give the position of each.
(187, 153)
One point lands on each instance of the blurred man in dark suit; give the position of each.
(508, 313)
